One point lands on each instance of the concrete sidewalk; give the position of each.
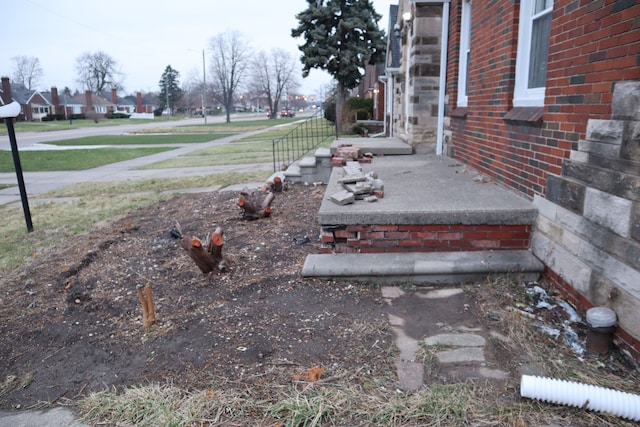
(56, 417)
(37, 183)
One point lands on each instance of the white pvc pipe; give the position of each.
(594, 398)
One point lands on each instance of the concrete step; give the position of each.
(424, 267)
(376, 146)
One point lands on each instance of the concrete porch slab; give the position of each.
(376, 146)
(427, 189)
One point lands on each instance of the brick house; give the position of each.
(543, 97)
(93, 106)
(34, 105)
(118, 104)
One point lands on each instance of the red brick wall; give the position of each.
(424, 238)
(593, 45)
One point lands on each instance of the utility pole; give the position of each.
(204, 89)
(166, 89)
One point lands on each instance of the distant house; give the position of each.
(93, 106)
(144, 103)
(64, 105)
(34, 105)
(118, 104)
(544, 98)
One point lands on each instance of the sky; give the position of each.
(144, 36)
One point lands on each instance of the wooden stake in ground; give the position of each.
(254, 205)
(207, 256)
(148, 307)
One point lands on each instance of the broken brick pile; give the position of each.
(347, 153)
(358, 186)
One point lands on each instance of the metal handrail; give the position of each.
(301, 140)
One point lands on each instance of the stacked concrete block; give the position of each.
(367, 187)
(588, 229)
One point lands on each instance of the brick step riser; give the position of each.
(424, 238)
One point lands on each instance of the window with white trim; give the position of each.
(465, 54)
(534, 34)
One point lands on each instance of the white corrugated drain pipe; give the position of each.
(594, 398)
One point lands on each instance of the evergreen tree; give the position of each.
(170, 92)
(341, 37)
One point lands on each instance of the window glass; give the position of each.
(465, 54)
(540, 36)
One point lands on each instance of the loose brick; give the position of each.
(326, 236)
(384, 227)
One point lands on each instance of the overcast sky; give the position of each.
(144, 36)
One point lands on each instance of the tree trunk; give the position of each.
(207, 257)
(254, 205)
(339, 108)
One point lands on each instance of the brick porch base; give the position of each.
(380, 238)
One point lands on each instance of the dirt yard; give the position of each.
(71, 320)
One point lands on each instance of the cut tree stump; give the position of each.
(207, 256)
(255, 204)
(148, 308)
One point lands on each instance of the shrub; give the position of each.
(330, 112)
(117, 115)
(365, 104)
(361, 114)
(360, 129)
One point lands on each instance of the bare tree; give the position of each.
(27, 71)
(192, 92)
(274, 75)
(229, 60)
(98, 71)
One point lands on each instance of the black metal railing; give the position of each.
(307, 136)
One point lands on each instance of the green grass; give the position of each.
(233, 127)
(137, 139)
(64, 124)
(157, 185)
(227, 154)
(73, 160)
(251, 149)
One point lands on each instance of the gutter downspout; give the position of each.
(443, 77)
(385, 80)
(407, 73)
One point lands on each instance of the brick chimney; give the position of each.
(139, 102)
(114, 96)
(54, 99)
(88, 101)
(6, 90)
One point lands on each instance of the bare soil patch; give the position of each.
(72, 319)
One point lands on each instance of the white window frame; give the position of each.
(524, 96)
(465, 53)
